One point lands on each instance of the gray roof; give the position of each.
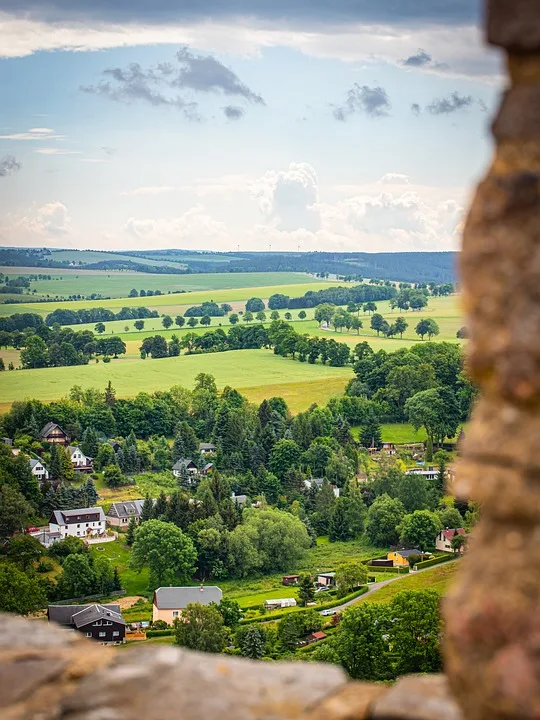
(34, 462)
(207, 446)
(183, 463)
(407, 553)
(63, 614)
(177, 598)
(45, 536)
(91, 613)
(72, 517)
(126, 509)
(330, 574)
(239, 499)
(49, 427)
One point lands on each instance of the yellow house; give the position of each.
(169, 602)
(400, 558)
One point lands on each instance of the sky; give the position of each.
(341, 125)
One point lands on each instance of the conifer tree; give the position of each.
(67, 472)
(147, 508)
(55, 465)
(90, 442)
(130, 534)
(90, 492)
(110, 395)
(64, 497)
(160, 507)
(117, 582)
(49, 502)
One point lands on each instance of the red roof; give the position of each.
(318, 635)
(449, 534)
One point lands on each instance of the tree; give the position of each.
(415, 631)
(147, 509)
(377, 323)
(185, 443)
(14, 509)
(356, 324)
(90, 442)
(131, 528)
(180, 321)
(89, 492)
(230, 612)
(284, 456)
(384, 517)
(288, 316)
(248, 317)
(206, 320)
(113, 476)
(350, 576)
(24, 550)
(370, 307)
(274, 315)
(290, 630)
(105, 456)
(261, 316)
(325, 313)
(420, 529)
(35, 353)
(401, 326)
(167, 322)
(427, 327)
(110, 397)
(371, 432)
(252, 642)
(20, 593)
(78, 577)
(255, 305)
(99, 328)
(302, 315)
(458, 542)
(436, 410)
(233, 318)
(201, 628)
(450, 518)
(192, 322)
(168, 553)
(139, 324)
(306, 589)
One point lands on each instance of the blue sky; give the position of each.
(328, 126)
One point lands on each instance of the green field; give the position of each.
(64, 283)
(242, 369)
(437, 578)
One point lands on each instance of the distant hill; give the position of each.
(404, 267)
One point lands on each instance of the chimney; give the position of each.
(201, 587)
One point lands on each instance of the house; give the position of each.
(326, 579)
(290, 579)
(239, 499)
(115, 446)
(400, 558)
(185, 468)
(430, 474)
(45, 537)
(120, 513)
(319, 483)
(207, 468)
(445, 537)
(389, 448)
(39, 470)
(282, 603)
(79, 460)
(53, 433)
(103, 623)
(315, 637)
(83, 522)
(7, 441)
(207, 448)
(169, 602)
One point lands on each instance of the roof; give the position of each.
(72, 449)
(318, 635)
(126, 509)
(207, 467)
(330, 574)
(71, 517)
(449, 534)
(49, 427)
(239, 499)
(279, 601)
(182, 463)
(63, 614)
(34, 462)
(207, 446)
(91, 613)
(408, 553)
(177, 598)
(45, 536)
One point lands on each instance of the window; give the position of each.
(116, 633)
(88, 634)
(102, 634)
(175, 613)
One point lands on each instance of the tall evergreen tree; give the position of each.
(55, 464)
(90, 442)
(147, 508)
(370, 432)
(339, 528)
(64, 497)
(49, 502)
(116, 582)
(130, 533)
(68, 472)
(110, 395)
(90, 492)
(185, 444)
(160, 506)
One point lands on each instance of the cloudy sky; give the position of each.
(224, 124)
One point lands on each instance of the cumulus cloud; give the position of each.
(416, 109)
(9, 165)
(451, 104)
(233, 112)
(418, 60)
(56, 151)
(159, 85)
(50, 221)
(394, 179)
(33, 134)
(194, 229)
(287, 198)
(372, 101)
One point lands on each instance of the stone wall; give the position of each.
(492, 620)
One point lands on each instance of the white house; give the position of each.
(445, 537)
(319, 483)
(282, 603)
(430, 474)
(79, 460)
(185, 468)
(207, 448)
(83, 522)
(39, 470)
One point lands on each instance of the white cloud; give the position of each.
(33, 134)
(287, 198)
(149, 190)
(461, 49)
(194, 229)
(395, 179)
(50, 221)
(56, 151)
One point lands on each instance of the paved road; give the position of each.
(375, 588)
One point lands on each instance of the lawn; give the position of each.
(241, 369)
(133, 583)
(398, 433)
(438, 578)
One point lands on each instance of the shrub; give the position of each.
(434, 561)
(45, 565)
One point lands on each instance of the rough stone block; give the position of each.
(519, 115)
(417, 697)
(351, 702)
(514, 24)
(170, 683)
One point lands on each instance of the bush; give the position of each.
(45, 565)
(396, 570)
(106, 359)
(318, 608)
(159, 633)
(434, 561)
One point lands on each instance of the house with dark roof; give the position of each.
(82, 522)
(53, 433)
(326, 579)
(80, 461)
(120, 513)
(103, 623)
(38, 469)
(207, 448)
(400, 558)
(445, 537)
(169, 602)
(185, 469)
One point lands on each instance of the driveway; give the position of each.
(375, 588)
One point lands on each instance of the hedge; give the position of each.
(159, 633)
(434, 561)
(318, 608)
(396, 570)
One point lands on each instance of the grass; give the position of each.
(241, 369)
(118, 554)
(119, 284)
(398, 433)
(438, 578)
